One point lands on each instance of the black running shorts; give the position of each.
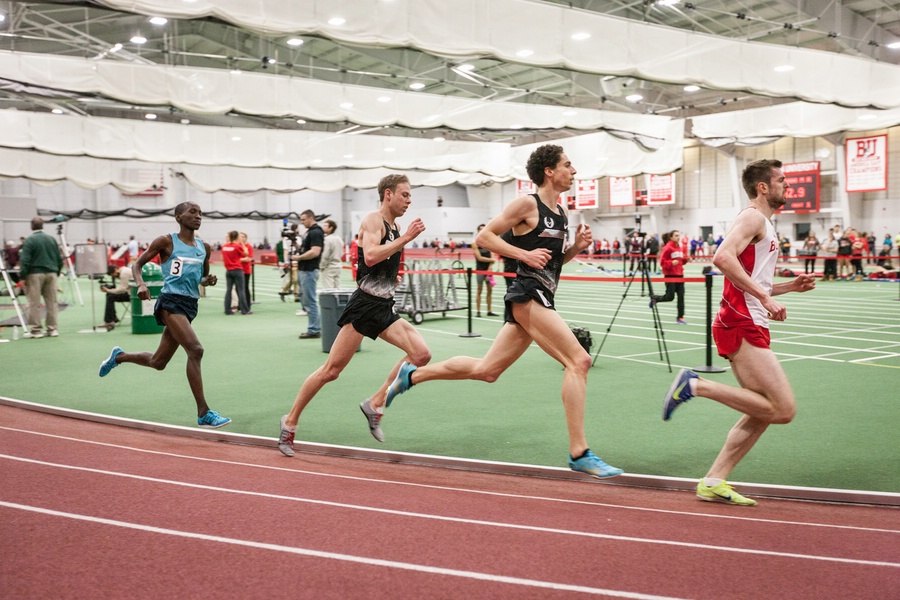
(369, 315)
(175, 304)
(525, 289)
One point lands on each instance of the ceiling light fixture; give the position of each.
(138, 39)
(440, 139)
(150, 116)
(116, 48)
(55, 111)
(894, 45)
(524, 53)
(301, 121)
(295, 42)
(634, 98)
(466, 67)
(692, 88)
(159, 20)
(416, 86)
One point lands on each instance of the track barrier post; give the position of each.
(469, 332)
(709, 367)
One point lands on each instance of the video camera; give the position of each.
(637, 228)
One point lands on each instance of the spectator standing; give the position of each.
(332, 251)
(829, 252)
(652, 252)
(810, 251)
(857, 251)
(246, 265)
(133, 250)
(40, 266)
(672, 261)
(484, 261)
(232, 253)
(785, 244)
(635, 249)
(844, 251)
(308, 272)
(871, 241)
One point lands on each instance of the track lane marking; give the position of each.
(377, 562)
(457, 489)
(476, 522)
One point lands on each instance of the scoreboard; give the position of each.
(803, 195)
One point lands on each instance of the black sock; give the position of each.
(582, 455)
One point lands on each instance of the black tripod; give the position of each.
(657, 323)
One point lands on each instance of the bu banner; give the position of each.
(866, 162)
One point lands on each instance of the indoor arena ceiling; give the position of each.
(859, 28)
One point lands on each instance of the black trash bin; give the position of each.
(331, 307)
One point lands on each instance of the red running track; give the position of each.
(89, 510)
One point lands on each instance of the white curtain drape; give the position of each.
(219, 91)
(540, 34)
(291, 159)
(125, 175)
(93, 152)
(795, 119)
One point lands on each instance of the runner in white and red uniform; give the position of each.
(741, 315)
(747, 258)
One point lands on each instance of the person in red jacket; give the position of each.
(672, 259)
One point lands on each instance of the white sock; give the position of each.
(692, 386)
(712, 481)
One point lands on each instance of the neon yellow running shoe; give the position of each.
(722, 493)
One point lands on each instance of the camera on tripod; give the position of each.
(290, 234)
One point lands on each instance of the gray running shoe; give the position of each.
(374, 418)
(286, 439)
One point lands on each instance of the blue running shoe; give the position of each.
(213, 420)
(401, 382)
(679, 392)
(110, 363)
(594, 466)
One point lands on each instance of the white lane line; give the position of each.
(343, 557)
(456, 489)
(476, 522)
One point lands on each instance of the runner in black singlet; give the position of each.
(370, 311)
(539, 226)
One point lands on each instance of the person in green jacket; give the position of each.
(39, 267)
